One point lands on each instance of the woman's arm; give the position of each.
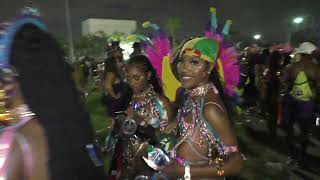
(108, 84)
(167, 106)
(30, 142)
(218, 118)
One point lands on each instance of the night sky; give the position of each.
(269, 17)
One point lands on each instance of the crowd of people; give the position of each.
(283, 88)
(153, 136)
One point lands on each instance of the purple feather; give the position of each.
(208, 31)
(231, 71)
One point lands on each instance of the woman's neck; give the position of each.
(147, 91)
(200, 90)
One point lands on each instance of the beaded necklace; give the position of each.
(23, 115)
(139, 104)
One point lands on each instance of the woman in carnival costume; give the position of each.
(147, 120)
(49, 135)
(207, 146)
(149, 109)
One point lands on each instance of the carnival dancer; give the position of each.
(148, 116)
(207, 146)
(205, 140)
(63, 148)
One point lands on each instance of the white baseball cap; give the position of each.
(305, 48)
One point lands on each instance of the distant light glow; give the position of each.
(298, 20)
(127, 50)
(257, 36)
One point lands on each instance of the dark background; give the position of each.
(271, 18)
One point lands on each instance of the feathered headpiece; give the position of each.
(211, 48)
(158, 50)
(227, 60)
(158, 47)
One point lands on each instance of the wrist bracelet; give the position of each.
(187, 175)
(220, 166)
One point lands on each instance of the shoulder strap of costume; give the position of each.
(159, 105)
(216, 104)
(6, 139)
(215, 137)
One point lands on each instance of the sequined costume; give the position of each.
(207, 132)
(137, 131)
(151, 119)
(151, 116)
(208, 149)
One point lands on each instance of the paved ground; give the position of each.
(267, 158)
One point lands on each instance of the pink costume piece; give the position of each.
(7, 138)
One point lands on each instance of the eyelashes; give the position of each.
(137, 78)
(194, 61)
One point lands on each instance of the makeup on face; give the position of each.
(137, 79)
(192, 71)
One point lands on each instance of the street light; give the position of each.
(298, 20)
(257, 36)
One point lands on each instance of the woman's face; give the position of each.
(137, 78)
(193, 71)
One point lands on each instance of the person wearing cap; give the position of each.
(207, 147)
(302, 79)
(117, 95)
(316, 56)
(136, 49)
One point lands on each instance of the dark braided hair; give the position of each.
(47, 87)
(144, 62)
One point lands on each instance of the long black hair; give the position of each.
(47, 87)
(144, 62)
